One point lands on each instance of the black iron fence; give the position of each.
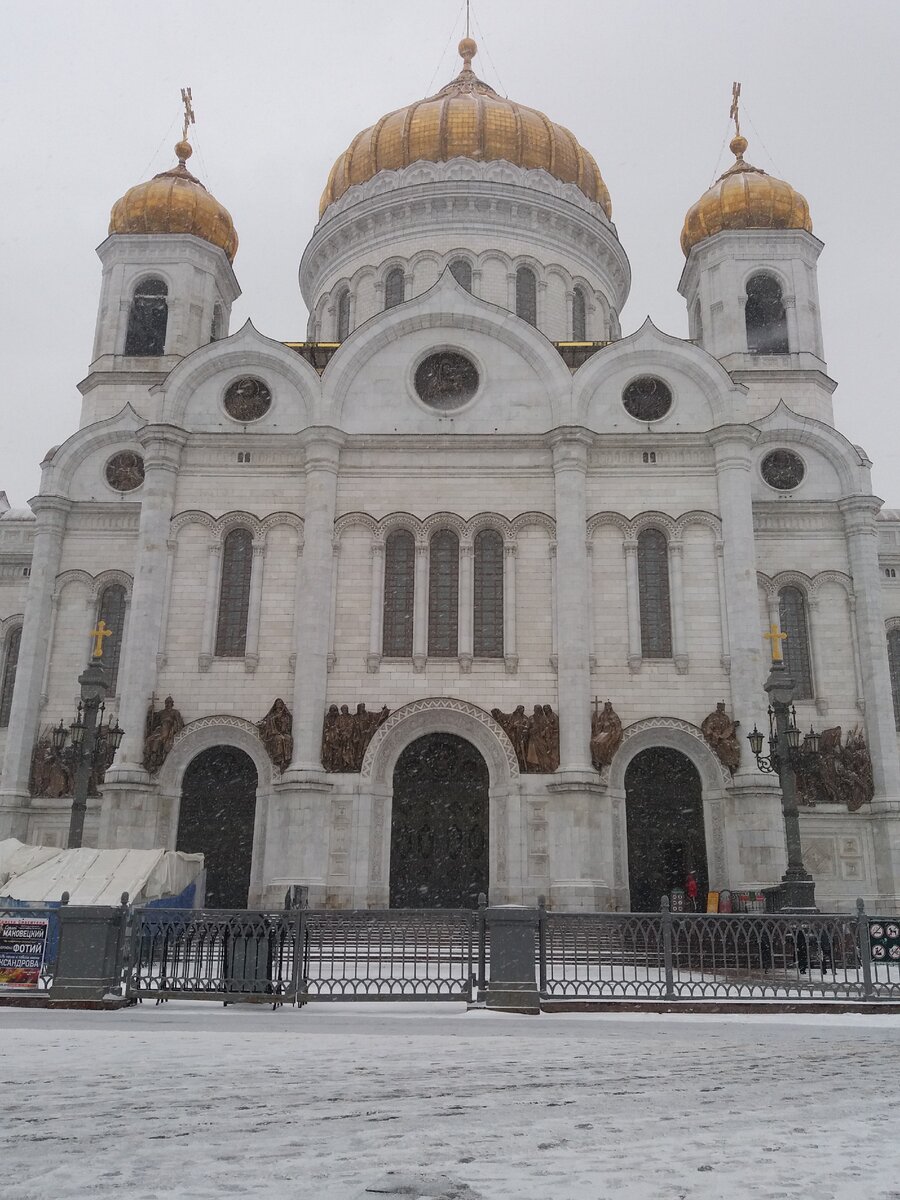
(303, 955)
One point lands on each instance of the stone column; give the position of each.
(723, 606)
(510, 653)
(210, 604)
(676, 584)
(633, 603)
(466, 646)
(859, 514)
(51, 513)
(162, 452)
(376, 605)
(323, 447)
(254, 607)
(817, 645)
(420, 607)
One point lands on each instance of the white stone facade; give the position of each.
(543, 453)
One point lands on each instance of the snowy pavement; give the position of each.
(196, 1102)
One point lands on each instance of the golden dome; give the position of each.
(744, 198)
(175, 202)
(466, 119)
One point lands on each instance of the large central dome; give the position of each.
(466, 119)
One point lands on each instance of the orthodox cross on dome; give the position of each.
(188, 112)
(775, 637)
(735, 112)
(99, 635)
(468, 7)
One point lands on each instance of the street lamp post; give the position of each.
(91, 740)
(797, 889)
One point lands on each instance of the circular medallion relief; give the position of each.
(647, 398)
(782, 469)
(247, 399)
(125, 471)
(446, 380)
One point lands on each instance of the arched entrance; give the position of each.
(439, 824)
(664, 818)
(216, 819)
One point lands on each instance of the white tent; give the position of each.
(42, 873)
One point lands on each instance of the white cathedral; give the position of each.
(469, 503)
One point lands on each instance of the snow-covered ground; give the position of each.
(197, 1102)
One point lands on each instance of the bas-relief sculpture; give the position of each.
(606, 735)
(160, 732)
(838, 774)
(346, 735)
(276, 733)
(720, 732)
(53, 772)
(535, 739)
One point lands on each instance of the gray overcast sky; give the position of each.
(89, 98)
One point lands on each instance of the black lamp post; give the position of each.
(91, 742)
(786, 753)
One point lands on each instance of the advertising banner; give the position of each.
(23, 942)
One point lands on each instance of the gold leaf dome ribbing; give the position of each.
(175, 202)
(744, 198)
(466, 119)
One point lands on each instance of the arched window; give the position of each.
(148, 319)
(393, 288)
(112, 611)
(653, 586)
(8, 678)
(579, 316)
(343, 315)
(461, 270)
(488, 623)
(234, 594)
(893, 644)
(443, 595)
(399, 594)
(526, 295)
(793, 620)
(765, 316)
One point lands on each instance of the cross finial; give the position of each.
(188, 112)
(735, 112)
(775, 637)
(99, 635)
(468, 5)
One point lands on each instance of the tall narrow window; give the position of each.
(8, 679)
(217, 328)
(443, 595)
(147, 319)
(343, 315)
(793, 620)
(765, 316)
(579, 316)
(893, 644)
(488, 623)
(698, 323)
(399, 593)
(653, 584)
(461, 270)
(526, 295)
(112, 611)
(393, 288)
(234, 594)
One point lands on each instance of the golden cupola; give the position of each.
(744, 198)
(175, 201)
(466, 119)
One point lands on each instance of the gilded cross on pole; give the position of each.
(188, 112)
(735, 112)
(775, 637)
(99, 635)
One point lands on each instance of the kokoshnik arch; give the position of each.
(445, 526)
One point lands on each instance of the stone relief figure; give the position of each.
(720, 732)
(535, 739)
(346, 735)
(159, 734)
(276, 733)
(606, 735)
(50, 778)
(838, 774)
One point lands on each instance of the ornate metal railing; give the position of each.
(666, 956)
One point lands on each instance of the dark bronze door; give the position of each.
(218, 809)
(666, 838)
(439, 824)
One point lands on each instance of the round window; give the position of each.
(125, 471)
(247, 399)
(782, 469)
(446, 380)
(647, 398)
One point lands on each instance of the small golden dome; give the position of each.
(466, 119)
(175, 202)
(744, 198)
